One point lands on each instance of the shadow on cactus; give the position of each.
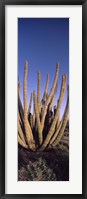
(43, 128)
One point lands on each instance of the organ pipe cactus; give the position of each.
(42, 127)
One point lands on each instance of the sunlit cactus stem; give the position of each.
(53, 98)
(56, 133)
(64, 123)
(20, 107)
(46, 91)
(37, 119)
(30, 104)
(19, 88)
(21, 133)
(41, 127)
(20, 141)
(52, 128)
(50, 95)
(28, 131)
(38, 91)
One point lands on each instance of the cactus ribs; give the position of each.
(43, 128)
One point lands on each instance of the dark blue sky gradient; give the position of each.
(43, 42)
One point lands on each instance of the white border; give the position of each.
(74, 186)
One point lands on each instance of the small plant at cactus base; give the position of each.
(41, 132)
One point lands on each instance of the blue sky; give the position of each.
(43, 42)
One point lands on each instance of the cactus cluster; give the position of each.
(43, 128)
